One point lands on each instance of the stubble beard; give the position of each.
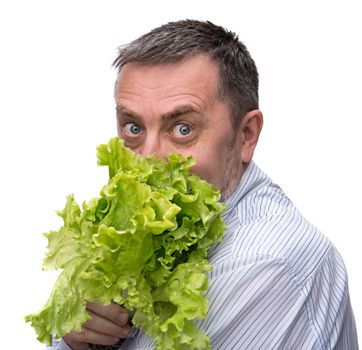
(233, 171)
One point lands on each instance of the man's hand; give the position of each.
(108, 325)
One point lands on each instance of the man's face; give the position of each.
(175, 108)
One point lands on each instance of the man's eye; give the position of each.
(132, 129)
(182, 129)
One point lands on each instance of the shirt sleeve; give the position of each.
(255, 303)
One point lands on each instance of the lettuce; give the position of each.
(143, 244)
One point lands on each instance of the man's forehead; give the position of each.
(167, 86)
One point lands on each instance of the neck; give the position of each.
(232, 178)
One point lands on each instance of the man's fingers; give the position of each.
(89, 336)
(107, 327)
(113, 312)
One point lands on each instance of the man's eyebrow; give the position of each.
(124, 111)
(179, 111)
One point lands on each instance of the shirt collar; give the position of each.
(252, 179)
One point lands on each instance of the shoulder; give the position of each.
(270, 225)
(265, 224)
(270, 251)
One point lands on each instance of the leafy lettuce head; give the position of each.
(142, 243)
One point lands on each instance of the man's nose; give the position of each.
(151, 146)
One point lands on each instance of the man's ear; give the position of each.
(250, 128)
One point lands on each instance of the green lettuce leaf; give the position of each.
(142, 243)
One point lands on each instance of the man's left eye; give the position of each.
(182, 129)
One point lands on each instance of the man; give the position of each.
(277, 283)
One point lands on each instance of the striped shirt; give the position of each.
(276, 283)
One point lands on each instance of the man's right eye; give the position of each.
(131, 129)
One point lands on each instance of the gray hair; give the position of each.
(181, 40)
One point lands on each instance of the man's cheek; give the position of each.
(198, 170)
(206, 173)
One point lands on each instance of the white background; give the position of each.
(56, 106)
